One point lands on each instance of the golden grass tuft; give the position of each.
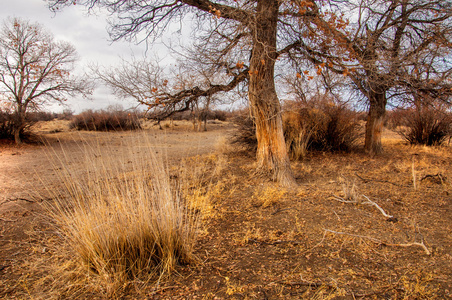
(419, 286)
(349, 189)
(122, 215)
(269, 196)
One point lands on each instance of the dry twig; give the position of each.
(378, 180)
(279, 242)
(370, 202)
(340, 199)
(377, 241)
(5, 220)
(439, 176)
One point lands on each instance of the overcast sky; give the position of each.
(88, 33)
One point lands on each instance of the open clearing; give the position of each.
(356, 227)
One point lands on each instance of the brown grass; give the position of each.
(257, 241)
(122, 216)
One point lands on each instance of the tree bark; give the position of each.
(272, 156)
(374, 125)
(17, 138)
(19, 124)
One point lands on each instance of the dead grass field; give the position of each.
(327, 239)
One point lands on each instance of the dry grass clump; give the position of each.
(349, 189)
(122, 215)
(419, 286)
(204, 180)
(269, 196)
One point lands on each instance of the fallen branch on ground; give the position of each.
(340, 199)
(5, 220)
(368, 202)
(279, 242)
(422, 245)
(380, 242)
(379, 180)
(18, 199)
(436, 176)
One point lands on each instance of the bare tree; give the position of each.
(253, 33)
(34, 70)
(386, 48)
(166, 91)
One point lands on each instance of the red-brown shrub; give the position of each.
(319, 125)
(426, 125)
(106, 120)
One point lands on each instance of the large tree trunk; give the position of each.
(272, 156)
(374, 125)
(19, 124)
(17, 138)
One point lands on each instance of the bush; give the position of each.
(320, 125)
(36, 116)
(395, 118)
(106, 120)
(219, 115)
(425, 126)
(245, 134)
(6, 125)
(188, 115)
(7, 120)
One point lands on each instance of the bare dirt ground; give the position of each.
(357, 227)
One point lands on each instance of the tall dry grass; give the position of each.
(120, 213)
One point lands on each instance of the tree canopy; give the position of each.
(34, 69)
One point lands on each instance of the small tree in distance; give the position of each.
(34, 70)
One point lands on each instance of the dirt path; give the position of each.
(19, 164)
